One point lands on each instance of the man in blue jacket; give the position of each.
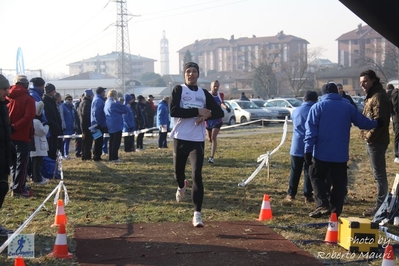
(298, 117)
(163, 122)
(98, 118)
(327, 147)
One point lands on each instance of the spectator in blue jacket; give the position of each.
(38, 88)
(114, 110)
(163, 122)
(129, 124)
(68, 112)
(98, 118)
(327, 147)
(298, 117)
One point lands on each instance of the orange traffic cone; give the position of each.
(60, 217)
(266, 211)
(60, 249)
(389, 257)
(19, 261)
(332, 231)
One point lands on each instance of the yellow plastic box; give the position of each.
(358, 234)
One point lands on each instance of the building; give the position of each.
(363, 43)
(242, 54)
(358, 50)
(108, 64)
(164, 62)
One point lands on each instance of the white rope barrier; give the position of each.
(57, 191)
(265, 158)
(124, 134)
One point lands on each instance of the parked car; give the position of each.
(289, 103)
(279, 112)
(229, 118)
(246, 111)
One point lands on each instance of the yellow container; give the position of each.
(358, 234)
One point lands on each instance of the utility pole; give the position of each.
(124, 72)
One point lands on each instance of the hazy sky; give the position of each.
(53, 33)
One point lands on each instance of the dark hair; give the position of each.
(371, 74)
(390, 86)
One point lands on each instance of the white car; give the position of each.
(229, 118)
(289, 103)
(246, 111)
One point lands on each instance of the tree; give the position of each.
(296, 71)
(264, 81)
(385, 60)
(187, 57)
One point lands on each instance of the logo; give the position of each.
(22, 245)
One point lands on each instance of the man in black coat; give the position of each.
(84, 113)
(53, 119)
(5, 146)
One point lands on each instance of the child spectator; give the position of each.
(41, 147)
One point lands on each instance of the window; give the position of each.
(345, 82)
(368, 41)
(356, 51)
(355, 42)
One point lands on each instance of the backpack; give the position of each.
(48, 168)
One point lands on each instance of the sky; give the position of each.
(54, 33)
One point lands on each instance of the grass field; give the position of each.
(142, 189)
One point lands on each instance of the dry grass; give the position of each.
(142, 188)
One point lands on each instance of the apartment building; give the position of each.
(108, 64)
(362, 45)
(242, 54)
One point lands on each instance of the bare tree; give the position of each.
(264, 80)
(296, 69)
(384, 59)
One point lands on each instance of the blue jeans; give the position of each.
(297, 164)
(376, 152)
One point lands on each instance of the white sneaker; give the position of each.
(66, 157)
(197, 220)
(396, 160)
(43, 182)
(180, 192)
(211, 160)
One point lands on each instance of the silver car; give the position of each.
(246, 111)
(279, 112)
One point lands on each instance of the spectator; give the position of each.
(38, 88)
(395, 121)
(243, 97)
(41, 146)
(344, 95)
(98, 119)
(141, 121)
(22, 111)
(299, 116)
(114, 110)
(78, 129)
(150, 111)
(6, 146)
(327, 147)
(85, 122)
(376, 104)
(53, 116)
(163, 122)
(213, 125)
(129, 124)
(188, 134)
(133, 104)
(68, 112)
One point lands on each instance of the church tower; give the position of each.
(164, 55)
